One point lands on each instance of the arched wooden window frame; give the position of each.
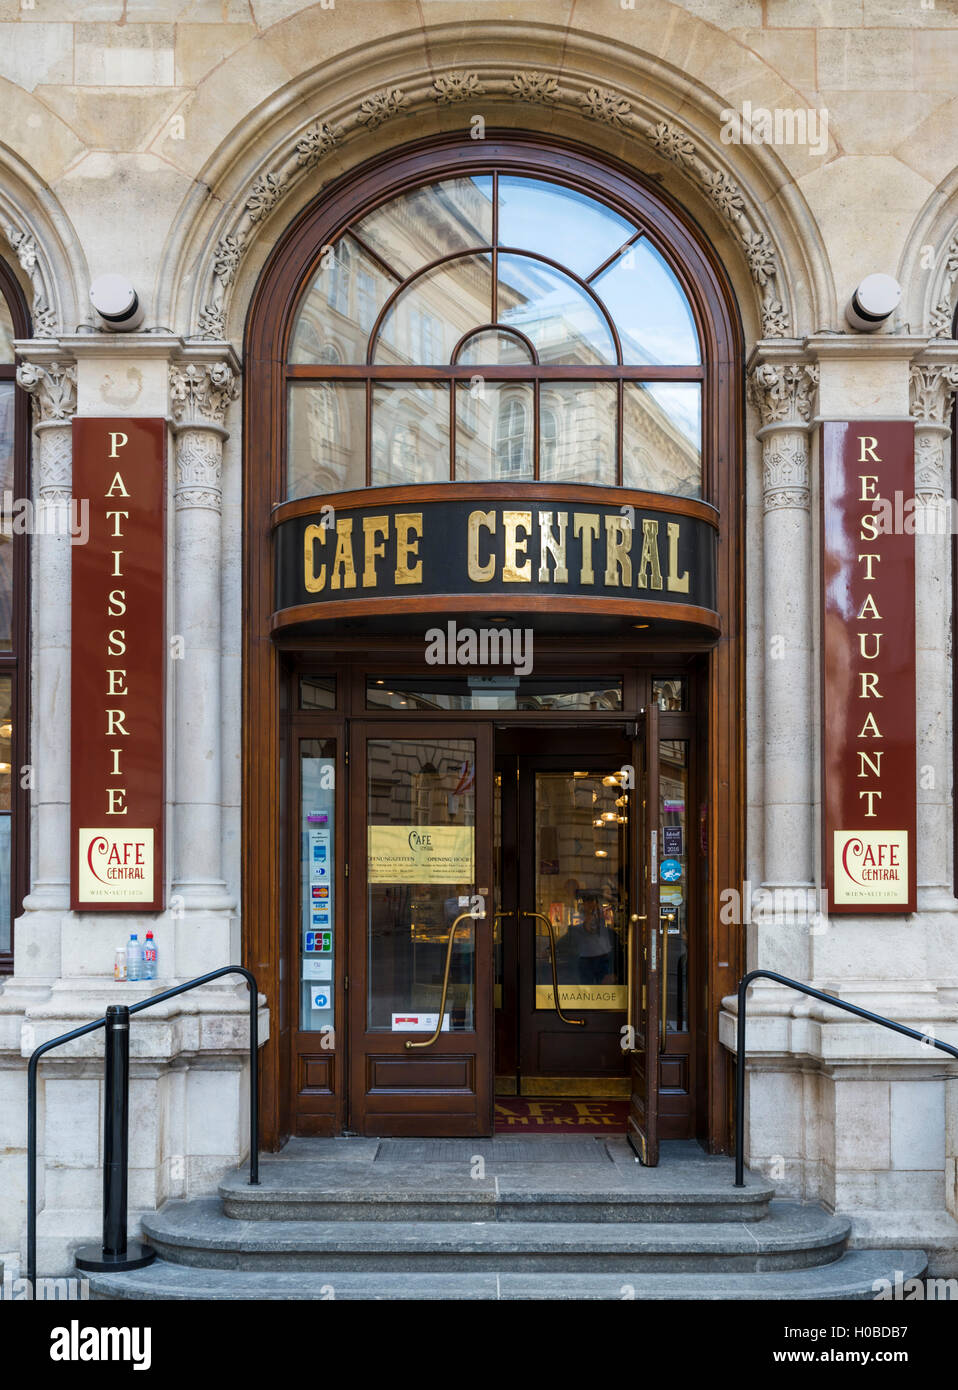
(15, 663)
(290, 267)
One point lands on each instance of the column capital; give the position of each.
(931, 388)
(204, 380)
(781, 387)
(53, 386)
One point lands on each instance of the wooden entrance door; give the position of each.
(565, 900)
(420, 984)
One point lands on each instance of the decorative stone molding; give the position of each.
(24, 247)
(783, 392)
(604, 105)
(942, 316)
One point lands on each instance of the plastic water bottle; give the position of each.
(134, 958)
(149, 958)
(119, 963)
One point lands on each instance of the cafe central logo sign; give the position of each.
(469, 545)
(869, 760)
(117, 676)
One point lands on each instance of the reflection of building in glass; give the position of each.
(417, 282)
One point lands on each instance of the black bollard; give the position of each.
(116, 1252)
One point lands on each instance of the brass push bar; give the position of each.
(667, 918)
(630, 1035)
(445, 979)
(578, 1022)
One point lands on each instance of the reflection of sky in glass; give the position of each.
(649, 308)
(559, 223)
(6, 334)
(552, 310)
(682, 402)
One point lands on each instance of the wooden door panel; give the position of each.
(411, 785)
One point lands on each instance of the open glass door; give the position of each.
(420, 988)
(644, 1030)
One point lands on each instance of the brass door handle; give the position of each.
(578, 1022)
(445, 980)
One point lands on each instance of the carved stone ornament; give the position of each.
(603, 105)
(53, 387)
(931, 387)
(449, 89)
(382, 106)
(785, 469)
(782, 392)
(199, 469)
(942, 316)
(200, 392)
(25, 248)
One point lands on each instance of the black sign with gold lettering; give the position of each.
(506, 548)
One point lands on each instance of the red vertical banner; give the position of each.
(869, 775)
(118, 667)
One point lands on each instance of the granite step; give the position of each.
(518, 1179)
(200, 1234)
(851, 1278)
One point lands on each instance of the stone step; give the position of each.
(198, 1233)
(519, 1179)
(852, 1277)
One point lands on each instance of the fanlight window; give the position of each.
(494, 328)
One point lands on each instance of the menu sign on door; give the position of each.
(118, 667)
(869, 758)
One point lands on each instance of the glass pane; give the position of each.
(410, 433)
(674, 877)
(317, 859)
(669, 693)
(662, 437)
(317, 692)
(582, 839)
(327, 437)
(428, 318)
(563, 322)
(494, 692)
(6, 332)
(7, 489)
(649, 308)
(493, 348)
(6, 780)
(421, 817)
(420, 226)
(494, 431)
(577, 427)
(341, 306)
(564, 225)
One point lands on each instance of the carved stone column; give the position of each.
(202, 384)
(932, 388)
(781, 391)
(53, 386)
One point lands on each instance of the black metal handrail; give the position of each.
(108, 1120)
(743, 986)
